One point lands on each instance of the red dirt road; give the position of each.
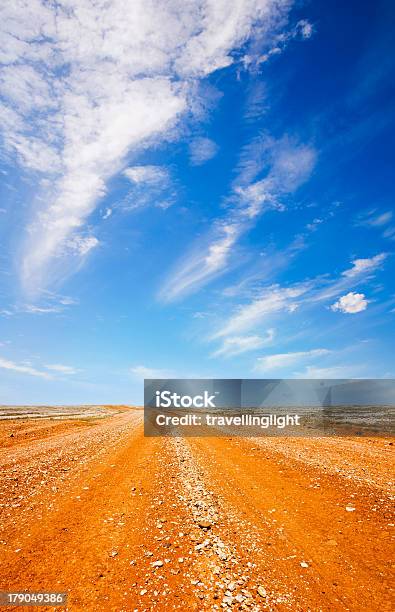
(124, 523)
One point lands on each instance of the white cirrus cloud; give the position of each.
(21, 368)
(107, 213)
(61, 369)
(272, 300)
(389, 232)
(85, 83)
(235, 345)
(265, 304)
(365, 266)
(382, 219)
(303, 29)
(203, 264)
(146, 174)
(286, 165)
(141, 371)
(81, 245)
(201, 150)
(374, 218)
(351, 303)
(33, 309)
(283, 360)
(151, 185)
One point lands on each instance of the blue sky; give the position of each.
(199, 189)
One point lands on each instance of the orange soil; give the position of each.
(88, 507)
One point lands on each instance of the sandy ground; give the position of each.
(124, 523)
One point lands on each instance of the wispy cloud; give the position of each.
(235, 345)
(302, 30)
(61, 369)
(107, 213)
(268, 302)
(146, 174)
(151, 186)
(379, 220)
(361, 271)
(6, 364)
(382, 219)
(283, 360)
(351, 303)
(286, 166)
(389, 232)
(272, 300)
(201, 150)
(83, 87)
(365, 266)
(141, 371)
(49, 303)
(81, 245)
(32, 308)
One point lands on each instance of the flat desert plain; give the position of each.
(120, 522)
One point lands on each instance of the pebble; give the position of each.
(304, 564)
(332, 542)
(261, 591)
(157, 564)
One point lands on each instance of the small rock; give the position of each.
(332, 543)
(304, 564)
(261, 591)
(350, 508)
(204, 524)
(157, 564)
(113, 553)
(143, 591)
(180, 559)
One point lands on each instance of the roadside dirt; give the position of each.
(127, 523)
